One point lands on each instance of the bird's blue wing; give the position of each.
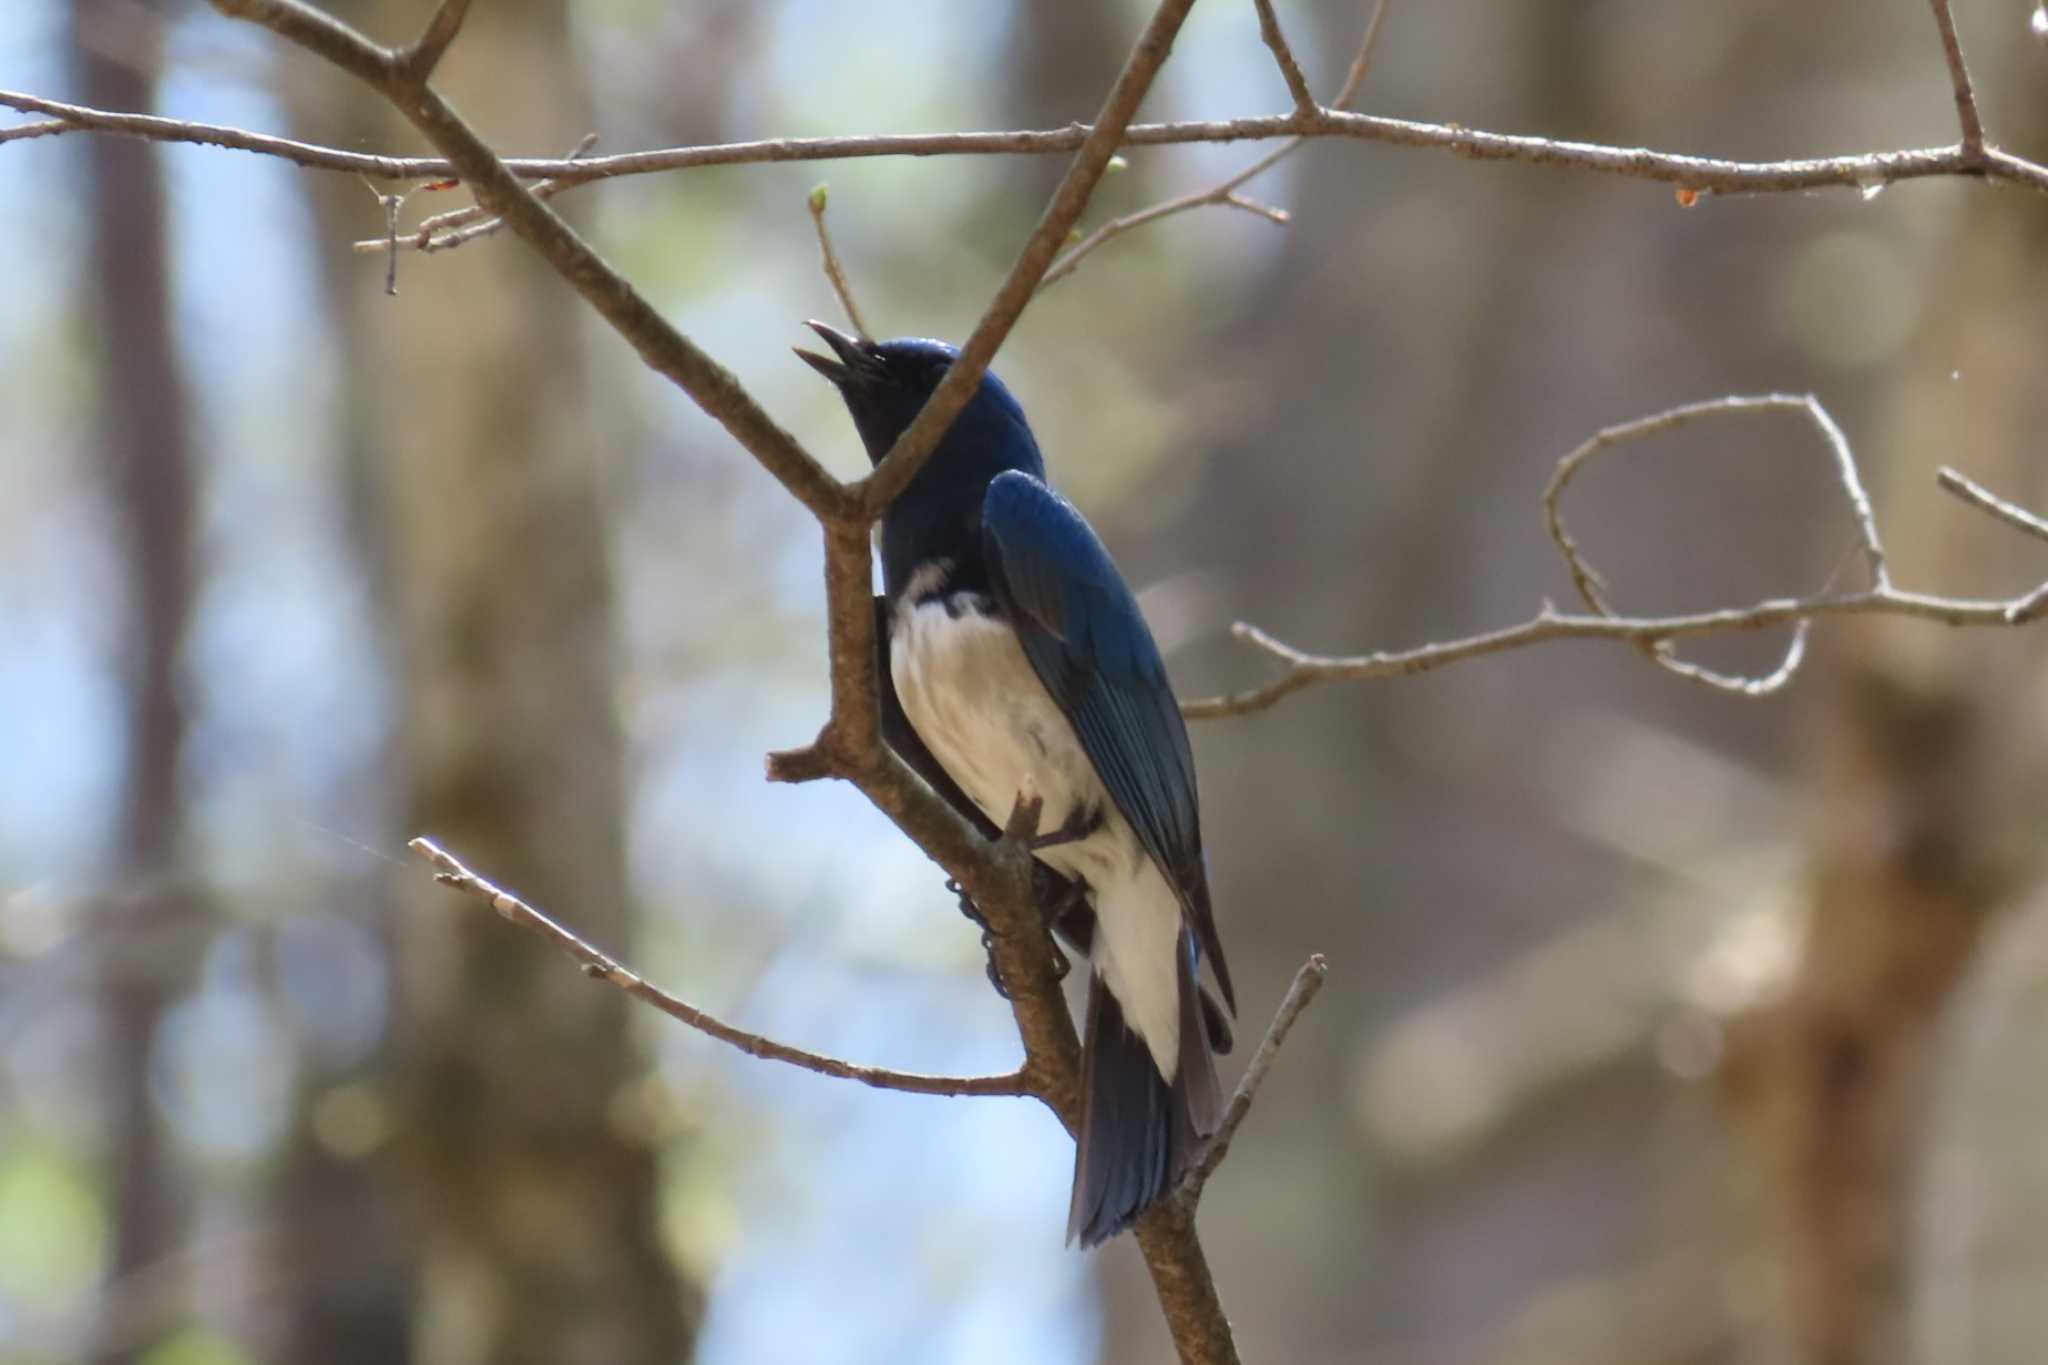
(1082, 631)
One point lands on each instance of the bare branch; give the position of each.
(47, 128)
(1300, 992)
(1703, 175)
(1977, 495)
(660, 345)
(450, 871)
(1959, 75)
(809, 764)
(835, 275)
(896, 469)
(1654, 635)
(1226, 191)
(418, 61)
(1283, 57)
(459, 227)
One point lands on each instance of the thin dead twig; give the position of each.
(1977, 495)
(451, 872)
(1307, 981)
(1967, 115)
(1283, 56)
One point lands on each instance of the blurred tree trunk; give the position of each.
(1836, 1076)
(1926, 778)
(534, 1214)
(145, 441)
(348, 1296)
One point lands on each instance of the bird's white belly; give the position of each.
(975, 701)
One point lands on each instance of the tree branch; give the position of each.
(1971, 121)
(1224, 192)
(1300, 992)
(660, 345)
(1705, 175)
(1283, 57)
(417, 62)
(459, 227)
(1655, 635)
(1983, 498)
(896, 469)
(450, 871)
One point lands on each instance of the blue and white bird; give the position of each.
(1021, 662)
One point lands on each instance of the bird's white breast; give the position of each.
(975, 701)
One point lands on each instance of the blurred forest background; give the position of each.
(1664, 1026)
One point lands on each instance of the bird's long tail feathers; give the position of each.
(1139, 1132)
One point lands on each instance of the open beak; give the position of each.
(853, 353)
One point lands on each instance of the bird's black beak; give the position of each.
(856, 357)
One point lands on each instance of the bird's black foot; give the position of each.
(1051, 909)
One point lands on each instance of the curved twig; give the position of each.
(1592, 589)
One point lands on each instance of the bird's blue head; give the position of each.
(938, 516)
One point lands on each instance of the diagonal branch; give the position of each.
(963, 377)
(1225, 192)
(450, 871)
(1283, 57)
(1977, 495)
(1959, 75)
(418, 61)
(660, 345)
(1300, 992)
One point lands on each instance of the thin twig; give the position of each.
(459, 227)
(1300, 992)
(1967, 115)
(834, 274)
(1283, 57)
(1706, 175)
(390, 205)
(47, 128)
(450, 871)
(1226, 191)
(1977, 495)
